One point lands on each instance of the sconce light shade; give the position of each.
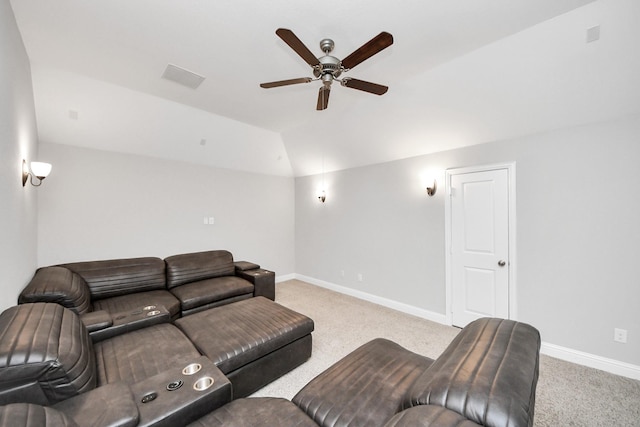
(38, 169)
(432, 190)
(322, 197)
(41, 170)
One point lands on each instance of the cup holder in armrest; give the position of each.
(191, 369)
(149, 307)
(203, 383)
(153, 313)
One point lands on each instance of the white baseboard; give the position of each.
(284, 278)
(574, 356)
(385, 302)
(591, 360)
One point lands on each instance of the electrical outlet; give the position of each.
(341, 273)
(359, 277)
(593, 34)
(620, 335)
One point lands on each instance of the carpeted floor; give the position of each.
(567, 394)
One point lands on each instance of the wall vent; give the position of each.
(182, 76)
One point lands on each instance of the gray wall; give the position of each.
(101, 205)
(18, 140)
(577, 232)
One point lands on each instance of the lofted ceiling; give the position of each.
(460, 72)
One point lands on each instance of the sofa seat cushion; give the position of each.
(429, 416)
(256, 412)
(138, 300)
(30, 415)
(138, 355)
(239, 333)
(206, 292)
(112, 405)
(365, 388)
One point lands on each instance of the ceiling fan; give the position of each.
(328, 68)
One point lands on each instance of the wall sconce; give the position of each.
(38, 169)
(322, 197)
(432, 190)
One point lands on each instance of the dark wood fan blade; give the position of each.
(286, 82)
(365, 86)
(323, 98)
(367, 50)
(294, 43)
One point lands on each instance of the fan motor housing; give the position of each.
(328, 65)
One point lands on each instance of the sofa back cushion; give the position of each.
(186, 268)
(116, 277)
(59, 285)
(46, 355)
(488, 374)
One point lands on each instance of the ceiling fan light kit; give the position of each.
(328, 68)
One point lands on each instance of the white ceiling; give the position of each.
(460, 72)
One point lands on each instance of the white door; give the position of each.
(479, 246)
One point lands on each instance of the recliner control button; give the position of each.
(149, 397)
(174, 385)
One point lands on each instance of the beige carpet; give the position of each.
(567, 394)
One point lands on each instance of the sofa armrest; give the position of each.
(488, 374)
(110, 405)
(96, 320)
(245, 265)
(264, 282)
(59, 285)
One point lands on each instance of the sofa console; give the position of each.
(102, 325)
(181, 394)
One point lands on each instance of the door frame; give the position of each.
(511, 183)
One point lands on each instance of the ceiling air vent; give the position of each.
(182, 76)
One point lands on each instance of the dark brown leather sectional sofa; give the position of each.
(59, 366)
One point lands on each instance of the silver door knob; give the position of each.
(502, 263)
